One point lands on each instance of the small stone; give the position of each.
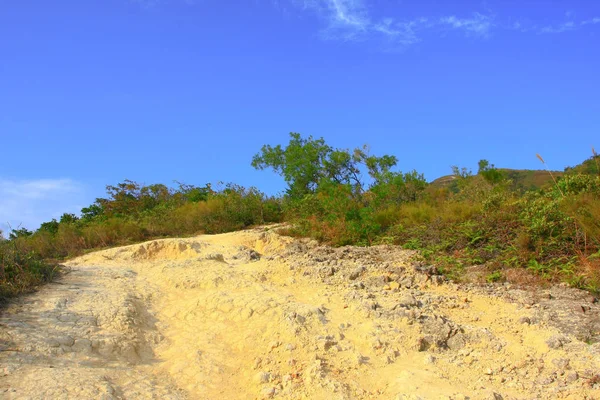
(377, 344)
(557, 341)
(572, 377)
(324, 343)
(407, 301)
(429, 359)
(561, 363)
(525, 320)
(406, 283)
(327, 271)
(394, 286)
(423, 344)
(437, 280)
(583, 308)
(495, 396)
(268, 393)
(356, 273)
(274, 345)
(65, 340)
(263, 377)
(215, 257)
(360, 359)
(489, 371)
(82, 345)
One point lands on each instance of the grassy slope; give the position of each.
(523, 179)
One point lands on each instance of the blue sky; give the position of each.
(94, 92)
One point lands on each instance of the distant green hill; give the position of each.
(523, 179)
(529, 179)
(588, 167)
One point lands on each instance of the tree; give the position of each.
(129, 198)
(489, 172)
(21, 232)
(194, 194)
(301, 163)
(398, 187)
(93, 211)
(306, 163)
(50, 226)
(68, 218)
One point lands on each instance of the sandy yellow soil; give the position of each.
(253, 315)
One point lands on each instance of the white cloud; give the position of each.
(345, 19)
(565, 26)
(595, 20)
(350, 20)
(478, 24)
(403, 33)
(349, 13)
(28, 203)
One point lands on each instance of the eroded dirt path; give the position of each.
(253, 315)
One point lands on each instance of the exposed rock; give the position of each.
(557, 341)
(561, 363)
(356, 273)
(439, 330)
(572, 377)
(525, 320)
(324, 343)
(215, 257)
(263, 377)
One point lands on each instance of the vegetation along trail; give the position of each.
(252, 314)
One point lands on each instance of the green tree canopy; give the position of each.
(306, 162)
(489, 172)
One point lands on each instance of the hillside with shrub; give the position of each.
(521, 180)
(529, 227)
(480, 227)
(130, 213)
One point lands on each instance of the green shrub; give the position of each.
(21, 271)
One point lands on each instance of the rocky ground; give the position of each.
(253, 315)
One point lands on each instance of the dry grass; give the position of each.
(550, 172)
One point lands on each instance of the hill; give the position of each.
(591, 166)
(523, 179)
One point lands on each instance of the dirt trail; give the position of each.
(253, 315)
